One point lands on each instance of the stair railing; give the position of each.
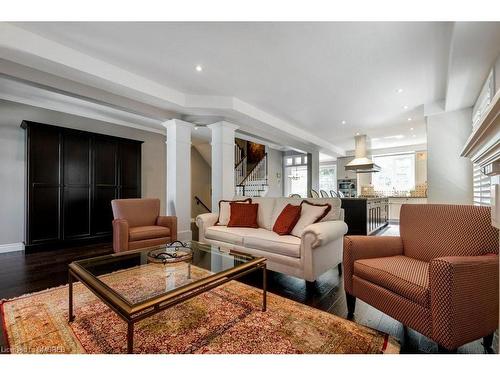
(200, 202)
(255, 182)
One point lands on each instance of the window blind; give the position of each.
(482, 188)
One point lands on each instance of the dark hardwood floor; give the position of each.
(22, 273)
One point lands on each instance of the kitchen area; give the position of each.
(374, 187)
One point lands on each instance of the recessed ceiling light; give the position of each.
(414, 136)
(405, 107)
(409, 118)
(344, 122)
(198, 68)
(411, 128)
(399, 91)
(357, 133)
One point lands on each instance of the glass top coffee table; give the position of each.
(159, 277)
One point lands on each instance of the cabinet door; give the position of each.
(105, 162)
(44, 188)
(130, 170)
(76, 177)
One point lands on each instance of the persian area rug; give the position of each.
(225, 320)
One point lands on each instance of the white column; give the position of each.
(179, 175)
(314, 170)
(222, 162)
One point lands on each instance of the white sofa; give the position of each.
(318, 249)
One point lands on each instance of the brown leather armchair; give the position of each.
(439, 277)
(137, 224)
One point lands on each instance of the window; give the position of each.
(296, 180)
(327, 178)
(397, 174)
(296, 175)
(482, 188)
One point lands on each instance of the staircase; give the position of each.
(253, 183)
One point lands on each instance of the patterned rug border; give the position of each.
(4, 325)
(4, 301)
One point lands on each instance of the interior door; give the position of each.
(105, 182)
(44, 185)
(76, 184)
(130, 170)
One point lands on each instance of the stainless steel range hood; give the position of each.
(361, 164)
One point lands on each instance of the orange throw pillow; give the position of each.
(243, 215)
(287, 219)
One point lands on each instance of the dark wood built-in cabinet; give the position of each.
(72, 176)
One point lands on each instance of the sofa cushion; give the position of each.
(335, 203)
(263, 239)
(232, 235)
(148, 232)
(287, 219)
(333, 214)
(311, 213)
(225, 210)
(265, 213)
(407, 277)
(243, 215)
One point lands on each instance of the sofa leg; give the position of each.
(351, 304)
(339, 266)
(310, 284)
(488, 341)
(443, 350)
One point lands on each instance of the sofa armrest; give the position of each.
(464, 298)
(204, 221)
(168, 222)
(365, 247)
(120, 235)
(324, 232)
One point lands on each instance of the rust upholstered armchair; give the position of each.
(137, 224)
(440, 277)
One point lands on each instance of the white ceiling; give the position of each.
(310, 75)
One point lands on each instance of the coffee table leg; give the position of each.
(71, 317)
(130, 337)
(264, 288)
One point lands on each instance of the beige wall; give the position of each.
(449, 176)
(275, 172)
(12, 159)
(201, 183)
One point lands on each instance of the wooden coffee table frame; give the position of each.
(132, 313)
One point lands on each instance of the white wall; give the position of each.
(275, 172)
(449, 176)
(497, 74)
(12, 159)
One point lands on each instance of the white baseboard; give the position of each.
(11, 247)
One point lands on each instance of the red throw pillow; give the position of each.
(287, 219)
(243, 215)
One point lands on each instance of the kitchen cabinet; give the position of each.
(342, 173)
(365, 216)
(395, 204)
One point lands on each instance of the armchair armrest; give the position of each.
(324, 232)
(120, 235)
(464, 298)
(365, 247)
(168, 222)
(204, 221)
